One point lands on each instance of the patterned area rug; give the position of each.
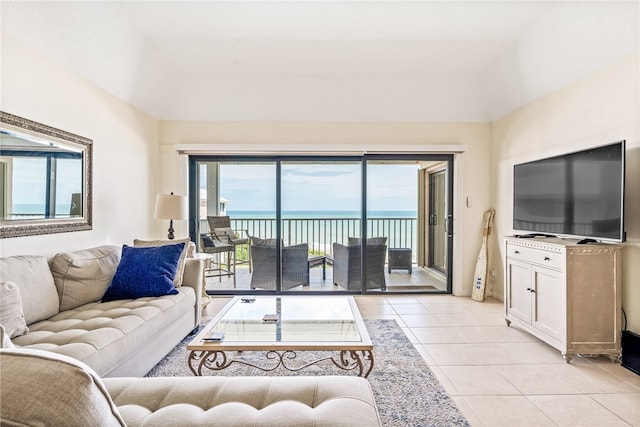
(406, 391)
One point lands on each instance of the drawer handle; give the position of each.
(531, 290)
(516, 252)
(547, 258)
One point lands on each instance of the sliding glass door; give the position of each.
(398, 213)
(392, 213)
(437, 221)
(295, 224)
(321, 213)
(245, 192)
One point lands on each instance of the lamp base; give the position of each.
(171, 236)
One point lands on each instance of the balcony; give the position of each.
(320, 234)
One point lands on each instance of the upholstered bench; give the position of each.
(44, 388)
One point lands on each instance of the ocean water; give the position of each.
(320, 229)
(38, 208)
(239, 214)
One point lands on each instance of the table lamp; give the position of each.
(171, 206)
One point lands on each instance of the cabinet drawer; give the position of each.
(537, 256)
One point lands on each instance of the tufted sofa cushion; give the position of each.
(324, 401)
(101, 334)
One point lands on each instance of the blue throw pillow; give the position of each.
(145, 272)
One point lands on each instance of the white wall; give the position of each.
(130, 168)
(124, 148)
(471, 167)
(598, 109)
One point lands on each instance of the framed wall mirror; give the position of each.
(45, 179)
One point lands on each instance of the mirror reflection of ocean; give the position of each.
(37, 208)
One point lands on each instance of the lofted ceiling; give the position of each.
(434, 61)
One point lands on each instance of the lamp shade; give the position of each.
(171, 206)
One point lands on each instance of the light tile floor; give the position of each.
(499, 375)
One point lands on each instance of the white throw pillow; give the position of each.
(11, 314)
(6, 341)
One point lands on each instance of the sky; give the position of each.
(316, 186)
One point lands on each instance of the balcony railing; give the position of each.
(321, 233)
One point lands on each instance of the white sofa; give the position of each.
(62, 309)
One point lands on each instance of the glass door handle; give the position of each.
(448, 225)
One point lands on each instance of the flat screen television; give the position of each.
(577, 195)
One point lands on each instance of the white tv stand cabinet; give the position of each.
(566, 294)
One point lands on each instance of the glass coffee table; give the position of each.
(329, 325)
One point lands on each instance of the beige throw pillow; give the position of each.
(177, 281)
(83, 276)
(11, 314)
(41, 388)
(38, 292)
